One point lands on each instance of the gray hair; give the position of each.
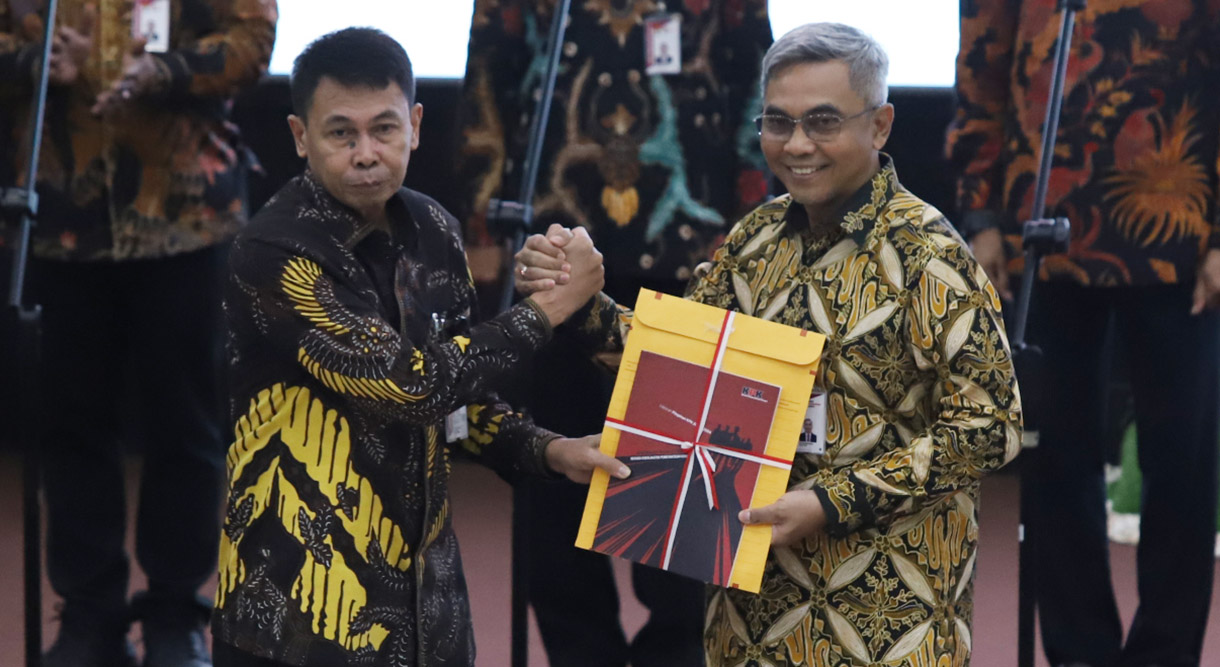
(824, 42)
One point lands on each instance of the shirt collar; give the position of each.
(355, 227)
(859, 213)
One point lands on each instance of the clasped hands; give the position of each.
(560, 297)
(552, 262)
(562, 278)
(71, 46)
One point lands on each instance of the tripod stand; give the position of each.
(20, 205)
(513, 220)
(1040, 236)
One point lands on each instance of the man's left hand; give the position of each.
(541, 264)
(576, 458)
(795, 516)
(1207, 283)
(141, 77)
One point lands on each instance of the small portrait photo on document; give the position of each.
(812, 438)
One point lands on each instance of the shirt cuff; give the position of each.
(520, 431)
(536, 448)
(525, 326)
(580, 320)
(845, 503)
(538, 313)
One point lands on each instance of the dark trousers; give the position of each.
(152, 326)
(572, 590)
(1172, 359)
(575, 598)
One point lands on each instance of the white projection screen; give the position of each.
(920, 37)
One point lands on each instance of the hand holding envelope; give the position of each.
(707, 408)
(542, 264)
(577, 458)
(742, 468)
(796, 515)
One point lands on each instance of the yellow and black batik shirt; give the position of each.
(1135, 166)
(922, 403)
(348, 346)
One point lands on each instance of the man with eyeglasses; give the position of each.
(874, 544)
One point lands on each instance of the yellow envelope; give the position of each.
(707, 410)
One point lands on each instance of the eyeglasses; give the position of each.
(819, 126)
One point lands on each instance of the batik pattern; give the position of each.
(348, 347)
(922, 402)
(1135, 155)
(168, 174)
(654, 166)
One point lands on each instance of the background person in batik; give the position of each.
(1135, 171)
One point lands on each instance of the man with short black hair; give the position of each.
(354, 365)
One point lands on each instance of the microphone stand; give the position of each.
(1040, 236)
(20, 205)
(513, 220)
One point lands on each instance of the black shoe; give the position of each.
(173, 630)
(91, 637)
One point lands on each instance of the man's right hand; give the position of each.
(568, 290)
(988, 248)
(70, 45)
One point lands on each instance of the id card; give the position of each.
(456, 426)
(663, 44)
(150, 20)
(813, 432)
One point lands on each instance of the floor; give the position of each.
(482, 507)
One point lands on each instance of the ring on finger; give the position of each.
(523, 270)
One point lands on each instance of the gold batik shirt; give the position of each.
(922, 402)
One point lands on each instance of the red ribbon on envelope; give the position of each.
(699, 451)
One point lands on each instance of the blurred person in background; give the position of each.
(142, 182)
(1135, 171)
(651, 149)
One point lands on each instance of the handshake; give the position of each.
(560, 271)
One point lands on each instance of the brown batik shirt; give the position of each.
(654, 166)
(167, 174)
(1135, 156)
